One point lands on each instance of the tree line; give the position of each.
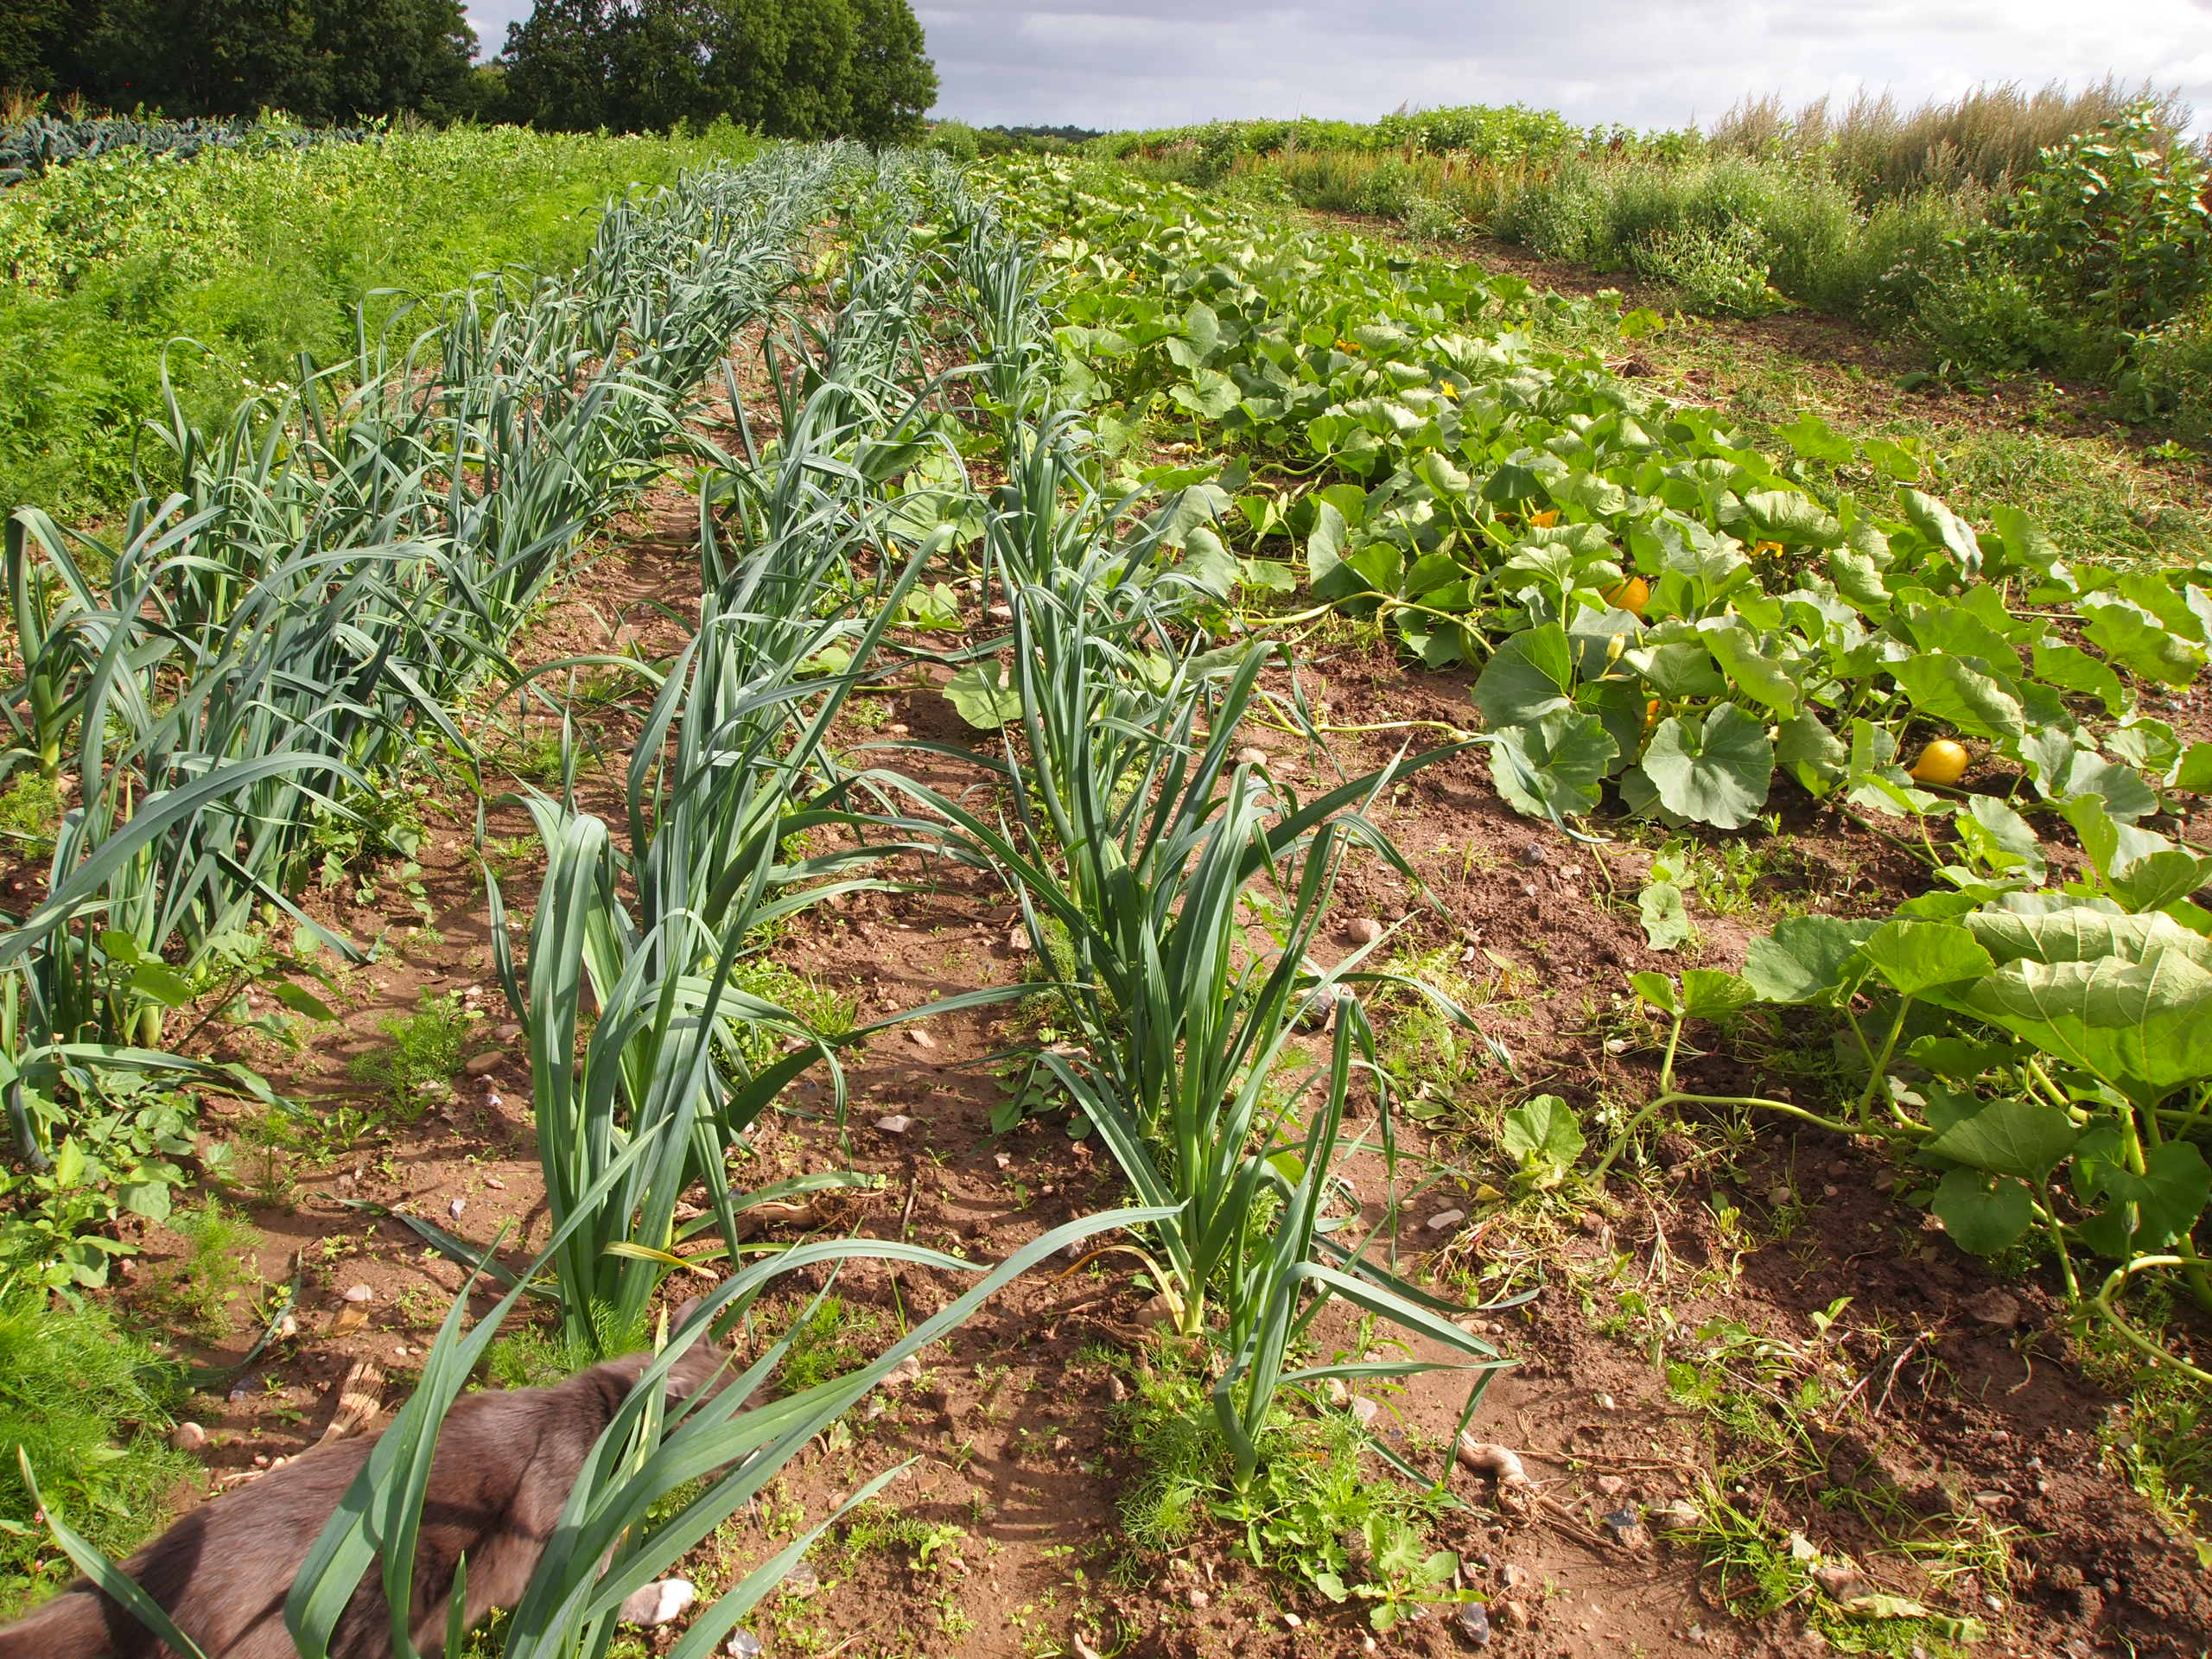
(793, 68)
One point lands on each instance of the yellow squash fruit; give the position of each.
(1632, 596)
(1940, 762)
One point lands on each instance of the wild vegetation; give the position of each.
(1253, 597)
(2004, 232)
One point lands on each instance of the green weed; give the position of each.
(88, 1403)
(1314, 1510)
(420, 1054)
(30, 811)
(218, 1266)
(834, 1338)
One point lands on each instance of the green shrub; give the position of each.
(2171, 373)
(1719, 270)
(2116, 222)
(89, 1404)
(955, 138)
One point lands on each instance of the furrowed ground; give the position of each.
(1761, 1400)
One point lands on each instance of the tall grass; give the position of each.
(1991, 136)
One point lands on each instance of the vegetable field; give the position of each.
(1305, 966)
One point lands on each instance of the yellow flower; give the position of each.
(1448, 388)
(1545, 520)
(1760, 547)
(1344, 344)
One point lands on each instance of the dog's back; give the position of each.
(505, 1466)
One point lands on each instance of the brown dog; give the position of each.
(504, 1466)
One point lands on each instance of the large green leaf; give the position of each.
(1530, 676)
(1793, 518)
(1759, 667)
(1946, 690)
(1710, 993)
(2145, 1026)
(1808, 959)
(1916, 957)
(1715, 770)
(981, 696)
(1552, 767)
(2083, 933)
(2167, 1196)
(1981, 1217)
(2141, 642)
(2010, 1137)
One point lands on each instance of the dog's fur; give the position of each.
(505, 1463)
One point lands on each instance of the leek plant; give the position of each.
(610, 1542)
(336, 569)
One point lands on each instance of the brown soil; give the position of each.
(1955, 1423)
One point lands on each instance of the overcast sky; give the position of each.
(1647, 63)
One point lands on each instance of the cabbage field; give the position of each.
(1306, 965)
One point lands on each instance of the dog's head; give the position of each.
(704, 1361)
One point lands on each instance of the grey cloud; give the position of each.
(1646, 63)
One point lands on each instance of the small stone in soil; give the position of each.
(1445, 1221)
(359, 1293)
(1994, 1306)
(1625, 1527)
(495, 1183)
(1364, 930)
(897, 1123)
(1473, 1621)
(1532, 854)
(743, 1644)
(1842, 1582)
(801, 1580)
(478, 1064)
(456, 1207)
(920, 1038)
(1249, 756)
(187, 1437)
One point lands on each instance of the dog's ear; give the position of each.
(682, 1317)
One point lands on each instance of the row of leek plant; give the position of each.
(731, 780)
(1142, 853)
(732, 769)
(248, 656)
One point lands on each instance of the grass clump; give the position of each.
(88, 1403)
(421, 1052)
(832, 1339)
(1314, 1509)
(218, 1266)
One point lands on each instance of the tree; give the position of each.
(893, 84)
(323, 60)
(793, 68)
(31, 33)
